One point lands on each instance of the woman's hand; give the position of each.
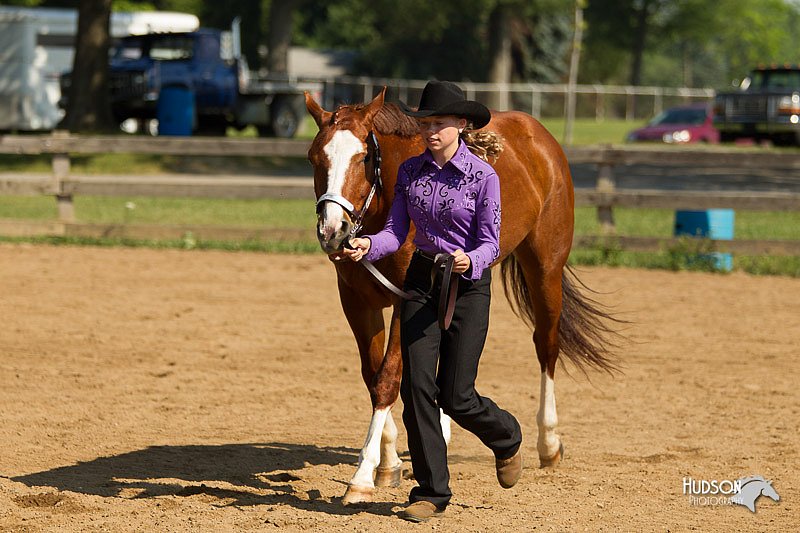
(359, 248)
(462, 262)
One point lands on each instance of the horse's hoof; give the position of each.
(388, 477)
(554, 460)
(355, 494)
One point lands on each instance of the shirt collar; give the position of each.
(459, 160)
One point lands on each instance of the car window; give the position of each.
(783, 79)
(168, 48)
(680, 116)
(130, 49)
(774, 79)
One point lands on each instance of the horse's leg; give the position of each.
(384, 392)
(543, 273)
(378, 373)
(445, 421)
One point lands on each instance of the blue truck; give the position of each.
(208, 65)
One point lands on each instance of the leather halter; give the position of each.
(377, 183)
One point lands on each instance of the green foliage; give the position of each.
(688, 254)
(690, 42)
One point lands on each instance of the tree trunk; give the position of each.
(688, 77)
(280, 35)
(640, 37)
(500, 54)
(639, 41)
(89, 107)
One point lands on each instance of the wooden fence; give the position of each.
(605, 196)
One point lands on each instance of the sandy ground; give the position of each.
(149, 390)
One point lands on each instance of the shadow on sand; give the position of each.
(259, 473)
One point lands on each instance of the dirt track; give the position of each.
(209, 391)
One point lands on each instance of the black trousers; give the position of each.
(439, 371)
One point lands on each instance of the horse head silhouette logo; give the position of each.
(752, 488)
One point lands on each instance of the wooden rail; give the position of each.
(605, 196)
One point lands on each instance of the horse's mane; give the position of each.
(745, 480)
(388, 121)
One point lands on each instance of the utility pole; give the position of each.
(575, 59)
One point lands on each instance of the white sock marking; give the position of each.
(445, 420)
(370, 454)
(547, 419)
(389, 457)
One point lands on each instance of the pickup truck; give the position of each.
(208, 63)
(765, 107)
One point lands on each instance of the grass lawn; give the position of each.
(300, 213)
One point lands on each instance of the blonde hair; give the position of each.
(484, 144)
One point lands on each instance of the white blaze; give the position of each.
(340, 150)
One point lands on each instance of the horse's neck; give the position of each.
(753, 487)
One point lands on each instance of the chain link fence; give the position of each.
(541, 100)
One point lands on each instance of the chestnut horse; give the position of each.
(535, 240)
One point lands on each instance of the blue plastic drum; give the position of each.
(715, 224)
(175, 110)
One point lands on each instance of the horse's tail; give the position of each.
(585, 331)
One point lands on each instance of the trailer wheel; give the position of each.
(284, 120)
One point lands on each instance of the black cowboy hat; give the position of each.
(447, 98)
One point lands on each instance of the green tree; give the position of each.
(685, 42)
(459, 41)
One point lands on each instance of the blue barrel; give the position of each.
(175, 110)
(715, 224)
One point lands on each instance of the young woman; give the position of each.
(453, 198)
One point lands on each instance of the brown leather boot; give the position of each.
(509, 470)
(420, 511)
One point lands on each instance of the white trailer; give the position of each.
(37, 46)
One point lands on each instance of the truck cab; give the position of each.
(207, 63)
(141, 65)
(766, 106)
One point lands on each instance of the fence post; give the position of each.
(630, 104)
(536, 103)
(606, 184)
(61, 166)
(599, 104)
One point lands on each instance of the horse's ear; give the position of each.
(376, 104)
(315, 110)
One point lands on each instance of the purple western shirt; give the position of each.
(456, 206)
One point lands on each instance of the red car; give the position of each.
(679, 125)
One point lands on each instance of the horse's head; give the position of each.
(769, 491)
(345, 157)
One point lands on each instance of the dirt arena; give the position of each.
(147, 390)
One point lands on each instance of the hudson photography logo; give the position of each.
(743, 491)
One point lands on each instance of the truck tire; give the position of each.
(284, 120)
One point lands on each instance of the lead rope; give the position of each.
(445, 262)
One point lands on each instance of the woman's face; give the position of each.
(440, 132)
